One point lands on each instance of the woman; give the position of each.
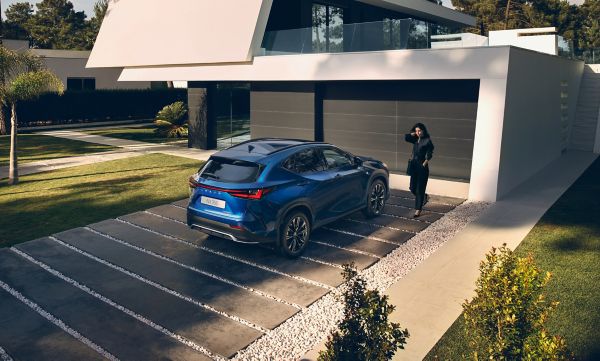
(418, 165)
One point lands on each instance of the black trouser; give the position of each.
(418, 182)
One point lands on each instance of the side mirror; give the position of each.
(358, 161)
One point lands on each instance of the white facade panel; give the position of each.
(472, 63)
(543, 40)
(156, 32)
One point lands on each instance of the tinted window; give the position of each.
(336, 158)
(306, 161)
(233, 171)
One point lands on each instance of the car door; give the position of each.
(312, 185)
(347, 181)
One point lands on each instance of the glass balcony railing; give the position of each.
(381, 35)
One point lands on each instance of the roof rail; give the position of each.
(279, 139)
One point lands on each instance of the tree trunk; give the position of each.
(506, 15)
(13, 172)
(2, 120)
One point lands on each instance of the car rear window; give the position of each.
(231, 170)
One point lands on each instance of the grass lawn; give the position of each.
(46, 203)
(141, 134)
(32, 147)
(566, 242)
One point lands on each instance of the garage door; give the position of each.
(283, 110)
(371, 118)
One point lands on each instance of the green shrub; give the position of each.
(171, 121)
(365, 332)
(506, 318)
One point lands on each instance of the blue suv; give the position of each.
(279, 190)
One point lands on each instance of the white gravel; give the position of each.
(301, 333)
(4, 356)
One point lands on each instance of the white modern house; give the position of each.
(359, 74)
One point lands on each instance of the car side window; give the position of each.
(305, 161)
(336, 158)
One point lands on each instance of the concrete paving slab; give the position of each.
(165, 226)
(206, 328)
(182, 203)
(170, 211)
(277, 285)
(433, 198)
(400, 211)
(435, 207)
(409, 225)
(222, 296)
(26, 335)
(338, 256)
(118, 333)
(349, 241)
(269, 257)
(363, 229)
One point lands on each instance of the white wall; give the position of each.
(537, 39)
(531, 132)
(71, 64)
(461, 40)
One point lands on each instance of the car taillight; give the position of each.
(249, 193)
(240, 193)
(193, 182)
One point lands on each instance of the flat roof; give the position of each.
(426, 10)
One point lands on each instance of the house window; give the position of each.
(327, 28)
(81, 83)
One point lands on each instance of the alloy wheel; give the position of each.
(296, 234)
(377, 198)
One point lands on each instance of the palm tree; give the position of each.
(171, 121)
(24, 78)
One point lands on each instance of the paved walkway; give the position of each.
(129, 148)
(145, 286)
(429, 298)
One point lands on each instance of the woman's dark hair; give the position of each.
(422, 127)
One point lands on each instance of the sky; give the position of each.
(88, 5)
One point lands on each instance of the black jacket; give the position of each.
(422, 149)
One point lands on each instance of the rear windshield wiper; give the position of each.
(211, 175)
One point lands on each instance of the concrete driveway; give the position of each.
(145, 286)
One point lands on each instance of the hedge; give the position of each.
(96, 105)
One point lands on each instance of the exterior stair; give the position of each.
(584, 133)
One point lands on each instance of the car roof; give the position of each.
(257, 149)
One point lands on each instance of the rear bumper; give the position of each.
(223, 230)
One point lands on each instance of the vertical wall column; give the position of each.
(202, 121)
(485, 168)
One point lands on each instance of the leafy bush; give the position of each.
(506, 318)
(365, 332)
(171, 121)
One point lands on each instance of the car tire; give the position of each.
(294, 234)
(376, 197)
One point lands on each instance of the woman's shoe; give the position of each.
(417, 214)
